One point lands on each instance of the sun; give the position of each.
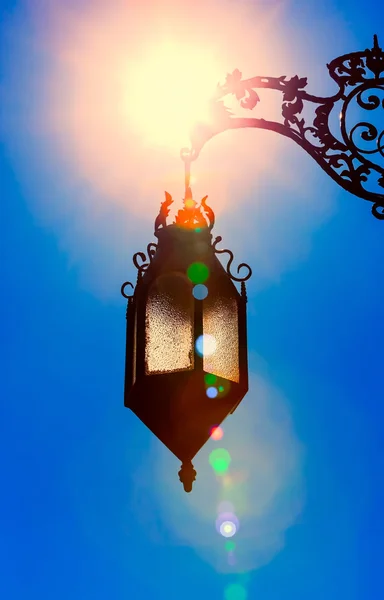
(168, 90)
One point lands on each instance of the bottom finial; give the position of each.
(187, 475)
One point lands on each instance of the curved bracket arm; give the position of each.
(352, 156)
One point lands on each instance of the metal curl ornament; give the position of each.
(218, 239)
(378, 211)
(364, 131)
(356, 169)
(161, 219)
(123, 293)
(151, 251)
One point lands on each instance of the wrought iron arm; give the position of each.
(353, 156)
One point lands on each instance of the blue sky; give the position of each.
(90, 505)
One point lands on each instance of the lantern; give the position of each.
(186, 346)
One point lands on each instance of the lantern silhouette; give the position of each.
(186, 347)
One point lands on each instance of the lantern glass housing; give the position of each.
(220, 320)
(179, 342)
(169, 325)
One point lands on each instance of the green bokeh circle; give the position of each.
(198, 272)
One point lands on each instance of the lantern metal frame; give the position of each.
(184, 417)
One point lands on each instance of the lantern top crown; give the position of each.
(193, 215)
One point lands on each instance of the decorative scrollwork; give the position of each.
(218, 239)
(248, 97)
(123, 293)
(208, 213)
(378, 211)
(145, 261)
(161, 219)
(364, 139)
(352, 158)
(192, 215)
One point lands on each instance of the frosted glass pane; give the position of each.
(220, 320)
(169, 321)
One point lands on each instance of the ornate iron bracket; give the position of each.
(352, 156)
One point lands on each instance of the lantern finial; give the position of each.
(193, 215)
(187, 475)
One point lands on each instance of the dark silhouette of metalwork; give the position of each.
(171, 400)
(230, 261)
(354, 155)
(165, 372)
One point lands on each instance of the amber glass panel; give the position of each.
(169, 325)
(220, 319)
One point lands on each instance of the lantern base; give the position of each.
(187, 475)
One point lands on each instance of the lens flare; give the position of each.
(227, 524)
(210, 379)
(224, 388)
(217, 433)
(231, 559)
(206, 345)
(225, 507)
(235, 591)
(200, 291)
(230, 546)
(198, 272)
(189, 203)
(220, 459)
(227, 529)
(227, 481)
(211, 392)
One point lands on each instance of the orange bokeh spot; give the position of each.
(216, 433)
(189, 203)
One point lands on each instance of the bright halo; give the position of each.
(228, 529)
(225, 507)
(168, 90)
(206, 345)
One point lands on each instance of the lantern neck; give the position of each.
(177, 236)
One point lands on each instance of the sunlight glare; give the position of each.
(168, 91)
